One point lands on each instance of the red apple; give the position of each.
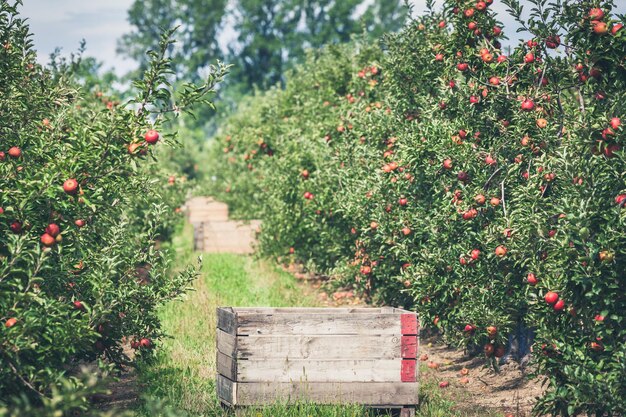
(16, 227)
(596, 14)
(532, 279)
(15, 152)
(78, 305)
(551, 297)
(444, 384)
(528, 105)
(305, 174)
(475, 254)
(47, 240)
(79, 222)
(447, 163)
(10, 322)
(492, 331)
(600, 28)
(480, 199)
(70, 186)
(616, 123)
(553, 41)
(616, 28)
(559, 305)
(620, 200)
(151, 136)
(145, 343)
(53, 230)
(488, 348)
(501, 251)
(469, 328)
(132, 148)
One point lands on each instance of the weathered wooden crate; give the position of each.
(324, 355)
(202, 209)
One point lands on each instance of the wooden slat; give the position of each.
(323, 347)
(316, 323)
(226, 390)
(409, 347)
(409, 323)
(366, 370)
(319, 310)
(369, 393)
(226, 343)
(409, 370)
(226, 320)
(227, 366)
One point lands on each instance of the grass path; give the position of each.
(181, 379)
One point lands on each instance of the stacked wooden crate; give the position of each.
(214, 232)
(324, 355)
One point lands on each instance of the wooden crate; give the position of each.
(203, 209)
(226, 237)
(324, 355)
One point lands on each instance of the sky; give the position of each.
(64, 23)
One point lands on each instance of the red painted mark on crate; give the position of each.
(408, 347)
(407, 370)
(408, 323)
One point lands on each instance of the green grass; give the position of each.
(181, 380)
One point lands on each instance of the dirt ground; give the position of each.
(509, 390)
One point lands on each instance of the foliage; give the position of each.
(83, 206)
(268, 36)
(446, 176)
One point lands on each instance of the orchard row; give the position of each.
(481, 187)
(83, 207)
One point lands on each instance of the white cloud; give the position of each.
(63, 23)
